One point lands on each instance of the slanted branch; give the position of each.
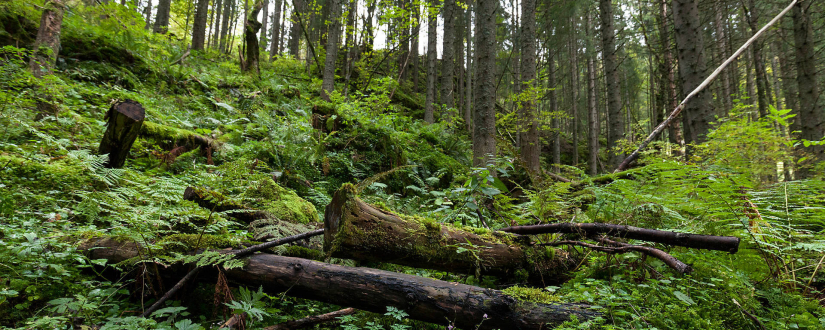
(124, 122)
(707, 242)
(373, 290)
(357, 230)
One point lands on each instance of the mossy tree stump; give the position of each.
(124, 122)
(357, 230)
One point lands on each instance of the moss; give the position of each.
(159, 131)
(283, 203)
(187, 242)
(531, 295)
(305, 253)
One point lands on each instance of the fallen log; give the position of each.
(216, 202)
(708, 242)
(312, 320)
(124, 122)
(357, 230)
(170, 138)
(373, 290)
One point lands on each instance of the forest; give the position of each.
(412, 164)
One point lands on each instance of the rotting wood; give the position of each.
(171, 137)
(707, 242)
(124, 122)
(312, 320)
(373, 290)
(357, 230)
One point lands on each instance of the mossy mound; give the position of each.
(282, 203)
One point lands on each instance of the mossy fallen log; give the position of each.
(171, 137)
(372, 290)
(357, 230)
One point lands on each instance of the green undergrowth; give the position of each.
(271, 156)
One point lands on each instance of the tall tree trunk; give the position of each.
(668, 85)
(199, 25)
(616, 130)
(592, 106)
(698, 112)
(448, 55)
(162, 16)
(432, 24)
(264, 21)
(295, 31)
(530, 148)
(282, 33)
(551, 83)
(47, 42)
(416, 29)
(253, 51)
(148, 13)
(275, 45)
(328, 84)
(789, 84)
(722, 49)
(227, 7)
(403, 27)
(484, 119)
(459, 64)
(574, 95)
(763, 89)
(216, 24)
(468, 112)
(810, 115)
(370, 37)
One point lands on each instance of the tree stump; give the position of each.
(124, 121)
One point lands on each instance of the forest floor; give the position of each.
(278, 147)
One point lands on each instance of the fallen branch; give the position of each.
(373, 290)
(658, 130)
(184, 56)
(212, 200)
(669, 260)
(707, 242)
(238, 254)
(312, 320)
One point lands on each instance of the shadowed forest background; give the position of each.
(407, 164)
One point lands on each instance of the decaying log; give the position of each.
(171, 137)
(216, 202)
(312, 320)
(373, 290)
(357, 230)
(124, 122)
(708, 242)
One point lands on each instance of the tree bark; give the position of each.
(574, 95)
(162, 17)
(698, 112)
(372, 290)
(124, 122)
(592, 106)
(484, 119)
(357, 230)
(529, 126)
(763, 90)
(616, 130)
(274, 46)
(432, 24)
(810, 115)
(216, 24)
(47, 43)
(789, 84)
(295, 30)
(328, 84)
(468, 112)
(669, 79)
(253, 50)
(448, 55)
(415, 57)
(199, 25)
(227, 6)
(707, 242)
(551, 82)
(264, 22)
(722, 48)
